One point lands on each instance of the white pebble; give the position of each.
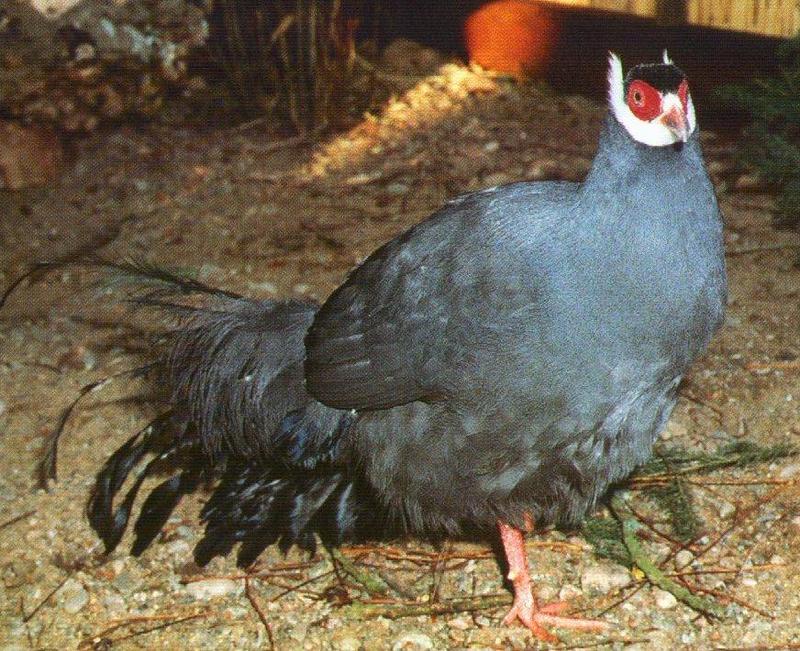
(212, 588)
(569, 592)
(461, 623)
(347, 644)
(665, 600)
(397, 189)
(726, 510)
(413, 642)
(603, 579)
(73, 596)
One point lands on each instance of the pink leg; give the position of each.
(524, 607)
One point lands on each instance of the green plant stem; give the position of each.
(655, 576)
(373, 584)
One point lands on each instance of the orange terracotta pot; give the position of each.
(512, 36)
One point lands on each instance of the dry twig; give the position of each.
(251, 597)
(17, 518)
(101, 641)
(398, 610)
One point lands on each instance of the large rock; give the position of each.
(53, 8)
(74, 65)
(29, 156)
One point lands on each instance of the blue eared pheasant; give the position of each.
(494, 368)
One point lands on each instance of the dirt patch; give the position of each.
(274, 219)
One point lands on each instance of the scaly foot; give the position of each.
(524, 608)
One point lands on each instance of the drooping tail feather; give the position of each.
(167, 449)
(238, 409)
(259, 508)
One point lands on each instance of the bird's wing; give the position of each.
(421, 317)
(371, 342)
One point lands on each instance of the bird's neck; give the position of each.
(631, 176)
(619, 155)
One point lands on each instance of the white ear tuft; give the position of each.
(616, 84)
(665, 57)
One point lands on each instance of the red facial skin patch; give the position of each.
(644, 101)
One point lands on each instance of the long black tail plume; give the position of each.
(168, 450)
(237, 408)
(142, 273)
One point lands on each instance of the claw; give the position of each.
(536, 618)
(528, 618)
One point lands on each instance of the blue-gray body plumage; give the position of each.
(511, 356)
(521, 349)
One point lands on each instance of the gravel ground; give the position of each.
(271, 218)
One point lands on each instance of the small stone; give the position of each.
(749, 181)
(792, 470)
(665, 600)
(777, 559)
(73, 596)
(397, 189)
(413, 641)
(461, 623)
(547, 593)
(491, 146)
(569, 592)
(114, 603)
(674, 429)
(125, 583)
(212, 588)
(726, 510)
(112, 104)
(184, 532)
(545, 169)
(265, 287)
(179, 548)
(363, 178)
(498, 178)
(683, 558)
(348, 643)
(117, 566)
(84, 52)
(603, 579)
(757, 632)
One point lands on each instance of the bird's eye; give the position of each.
(644, 101)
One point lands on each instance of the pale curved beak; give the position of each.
(674, 118)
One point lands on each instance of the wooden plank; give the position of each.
(634, 7)
(767, 17)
